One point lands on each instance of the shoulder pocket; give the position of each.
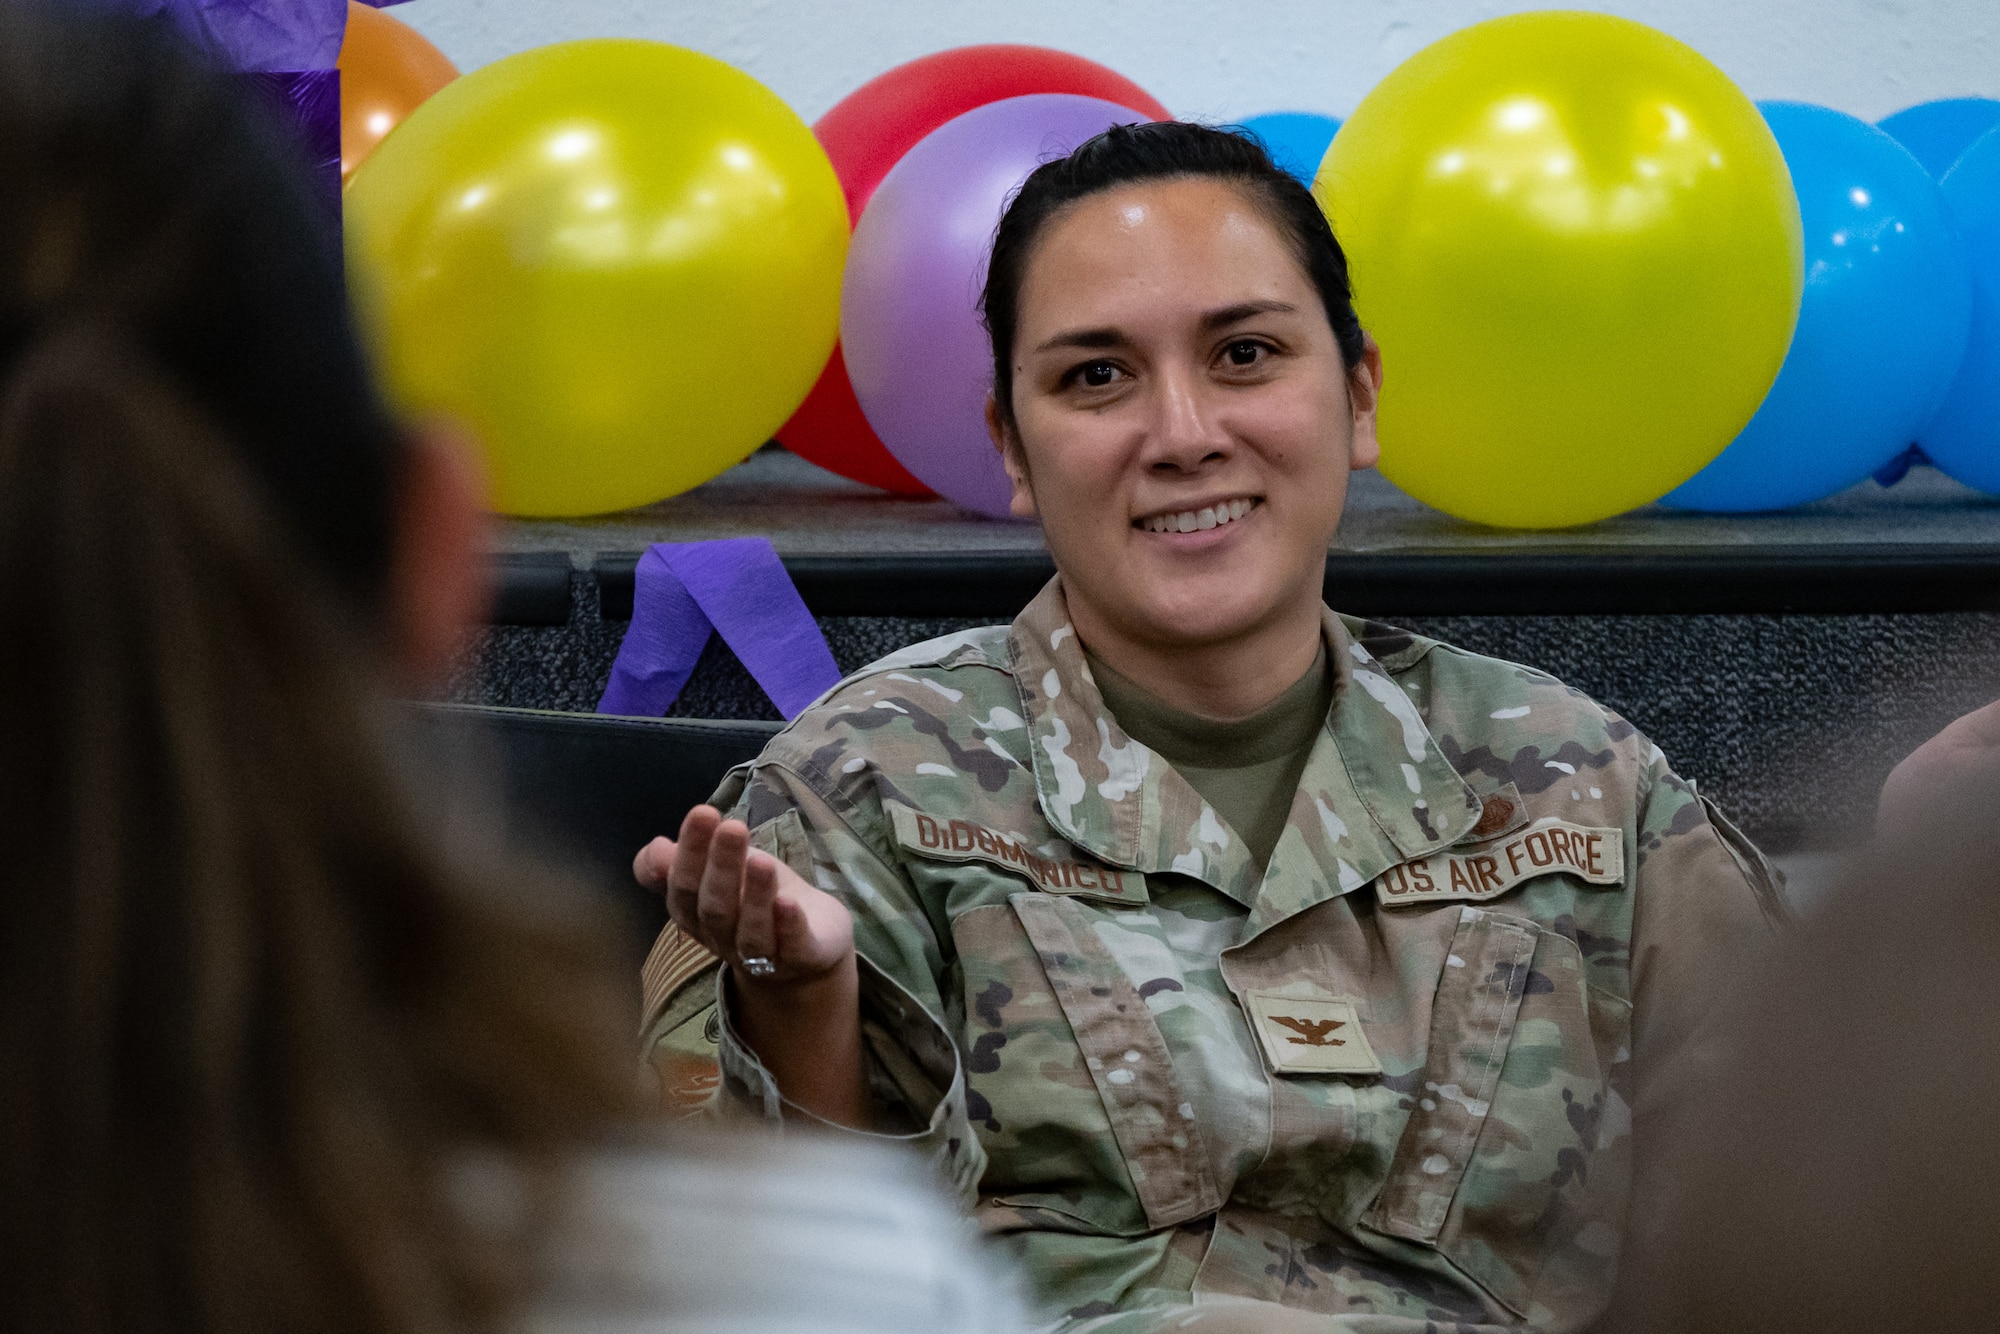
(682, 1054)
(784, 837)
(674, 963)
(680, 1030)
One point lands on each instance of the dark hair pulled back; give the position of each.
(1153, 151)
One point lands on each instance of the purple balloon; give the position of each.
(916, 351)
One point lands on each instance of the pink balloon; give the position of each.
(916, 351)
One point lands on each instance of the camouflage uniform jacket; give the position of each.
(1390, 1079)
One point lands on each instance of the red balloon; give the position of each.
(872, 127)
(866, 134)
(831, 430)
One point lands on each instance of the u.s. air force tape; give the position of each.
(1595, 856)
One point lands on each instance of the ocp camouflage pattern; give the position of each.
(1123, 1046)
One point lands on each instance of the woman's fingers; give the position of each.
(653, 866)
(743, 904)
(690, 861)
(721, 893)
(756, 934)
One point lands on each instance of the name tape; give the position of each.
(964, 841)
(1595, 856)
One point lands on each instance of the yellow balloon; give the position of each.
(617, 261)
(1579, 248)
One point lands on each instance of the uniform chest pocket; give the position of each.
(1090, 1120)
(1494, 1168)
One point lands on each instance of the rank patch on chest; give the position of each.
(945, 839)
(1305, 1036)
(1595, 856)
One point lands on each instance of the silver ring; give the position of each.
(759, 966)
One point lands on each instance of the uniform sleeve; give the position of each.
(915, 1074)
(1706, 914)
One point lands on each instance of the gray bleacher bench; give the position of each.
(586, 790)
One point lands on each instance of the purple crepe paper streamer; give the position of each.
(288, 49)
(668, 632)
(260, 36)
(737, 587)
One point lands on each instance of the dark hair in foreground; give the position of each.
(249, 1015)
(1158, 151)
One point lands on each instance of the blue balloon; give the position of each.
(1296, 140)
(1938, 133)
(1964, 437)
(1881, 329)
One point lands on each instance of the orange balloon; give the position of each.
(387, 69)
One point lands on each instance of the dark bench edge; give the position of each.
(690, 727)
(1837, 580)
(530, 588)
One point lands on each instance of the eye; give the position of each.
(1096, 375)
(1244, 352)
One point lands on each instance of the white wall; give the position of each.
(1226, 59)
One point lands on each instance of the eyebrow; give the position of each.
(1243, 310)
(1221, 318)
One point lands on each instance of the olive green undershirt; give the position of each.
(1247, 770)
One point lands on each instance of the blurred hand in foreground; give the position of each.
(1964, 754)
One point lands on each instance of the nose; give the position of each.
(1187, 434)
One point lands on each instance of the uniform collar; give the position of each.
(1376, 789)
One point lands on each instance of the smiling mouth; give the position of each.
(1198, 520)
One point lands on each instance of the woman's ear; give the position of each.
(1364, 393)
(1008, 442)
(440, 586)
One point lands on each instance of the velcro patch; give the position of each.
(1305, 1036)
(946, 839)
(1595, 856)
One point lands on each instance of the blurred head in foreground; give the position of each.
(1838, 1170)
(248, 1013)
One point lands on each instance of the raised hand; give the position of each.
(744, 904)
(790, 951)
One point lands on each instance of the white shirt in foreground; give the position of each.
(765, 1236)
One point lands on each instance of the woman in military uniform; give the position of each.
(1223, 952)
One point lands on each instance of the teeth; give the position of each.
(1193, 521)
